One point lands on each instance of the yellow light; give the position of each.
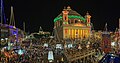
(78, 24)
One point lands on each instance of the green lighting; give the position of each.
(70, 17)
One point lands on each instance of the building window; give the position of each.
(61, 23)
(76, 21)
(69, 21)
(65, 18)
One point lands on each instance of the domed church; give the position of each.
(71, 25)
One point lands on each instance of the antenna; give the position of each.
(24, 26)
(2, 14)
(1, 11)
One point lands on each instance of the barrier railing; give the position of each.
(79, 55)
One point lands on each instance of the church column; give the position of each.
(78, 33)
(74, 21)
(82, 33)
(86, 32)
(69, 33)
(75, 33)
(72, 33)
(70, 21)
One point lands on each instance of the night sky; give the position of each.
(37, 13)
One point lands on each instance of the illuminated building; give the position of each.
(41, 34)
(9, 33)
(71, 25)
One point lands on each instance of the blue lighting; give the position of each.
(20, 52)
(109, 58)
(11, 27)
(14, 33)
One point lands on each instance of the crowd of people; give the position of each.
(38, 52)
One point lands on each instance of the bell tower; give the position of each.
(65, 16)
(88, 19)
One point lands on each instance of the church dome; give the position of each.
(72, 14)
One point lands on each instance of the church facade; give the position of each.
(71, 25)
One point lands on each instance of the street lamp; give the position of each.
(113, 44)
